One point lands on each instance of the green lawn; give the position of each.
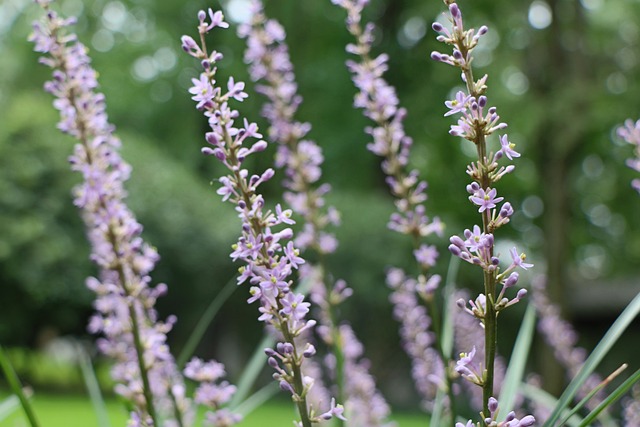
(76, 411)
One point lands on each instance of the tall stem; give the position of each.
(489, 278)
(301, 400)
(135, 331)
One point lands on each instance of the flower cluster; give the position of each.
(364, 405)
(211, 392)
(427, 367)
(630, 132)
(145, 372)
(269, 256)
(269, 65)
(379, 102)
(477, 120)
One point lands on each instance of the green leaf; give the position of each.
(603, 347)
(515, 371)
(16, 387)
(91, 382)
(446, 333)
(206, 319)
(251, 372)
(257, 399)
(592, 393)
(449, 291)
(8, 406)
(612, 398)
(547, 400)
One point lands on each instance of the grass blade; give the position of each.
(614, 396)
(16, 387)
(8, 406)
(543, 398)
(446, 333)
(612, 335)
(251, 372)
(515, 371)
(594, 391)
(93, 388)
(204, 322)
(257, 399)
(449, 291)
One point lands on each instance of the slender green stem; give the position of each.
(489, 277)
(144, 374)
(135, 328)
(16, 387)
(300, 399)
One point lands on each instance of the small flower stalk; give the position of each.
(477, 120)
(145, 372)
(630, 132)
(266, 246)
(133, 336)
(270, 67)
(379, 102)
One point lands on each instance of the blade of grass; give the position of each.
(257, 399)
(8, 406)
(614, 396)
(547, 400)
(612, 335)
(93, 388)
(519, 356)
(447, 334)
(449, 290)
(251, 371)
(204, 322)
(16, 387)
(593, 392)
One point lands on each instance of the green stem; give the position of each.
(16, 387)
(300, 399)
(491, 316)
(144, 373)
(135, 327)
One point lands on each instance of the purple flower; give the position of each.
(335, 411)
(507, 148)
(417, 340)
(468, 369)
(292, 255)
(458, 105)
(518, 260)
(202, 91)
(486, 199)
(294, 305)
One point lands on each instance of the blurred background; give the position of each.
(563, 74)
